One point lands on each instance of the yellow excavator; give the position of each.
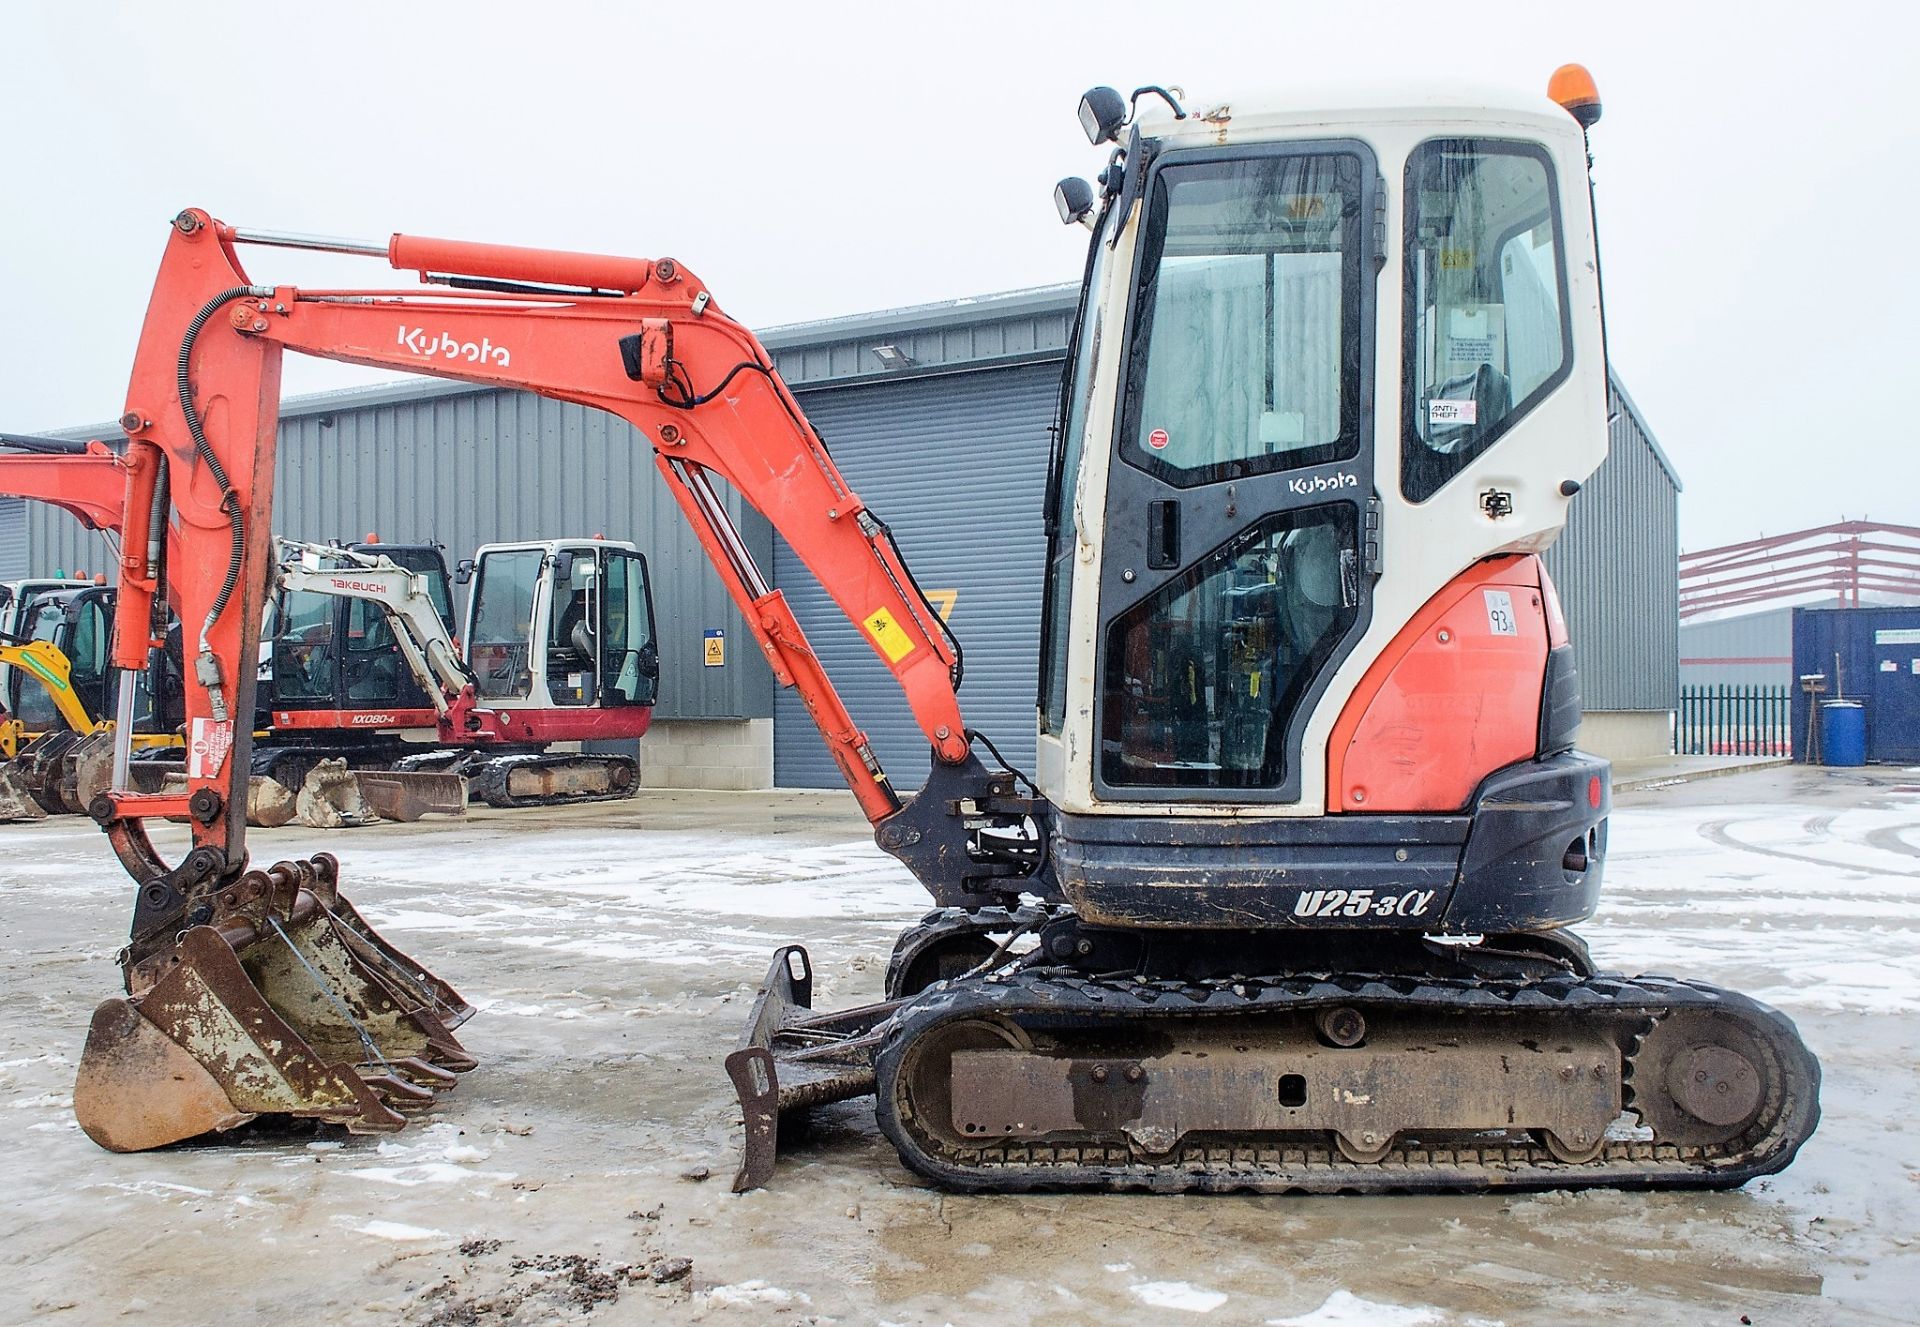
(48, 667)
(57, 752)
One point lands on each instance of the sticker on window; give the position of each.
(1451, 412)
(1500, 613)
(1158, 440)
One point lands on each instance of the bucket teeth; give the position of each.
(285, 1003)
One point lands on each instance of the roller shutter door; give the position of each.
(13, 539)
(957, 465)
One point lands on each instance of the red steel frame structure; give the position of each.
(1847, 559)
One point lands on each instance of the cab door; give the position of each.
(629, 655)
(1236, 567)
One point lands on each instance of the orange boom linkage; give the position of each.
(308, 1011)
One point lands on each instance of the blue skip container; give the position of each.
(1843, 732)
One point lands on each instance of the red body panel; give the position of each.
(353, 720)
(558, 725)
(1451, 699)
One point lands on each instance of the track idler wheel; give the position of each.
(285, 1003)
(1699, 1079)
(926, 1074)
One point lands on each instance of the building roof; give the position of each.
(1640, 422)
(959, 335)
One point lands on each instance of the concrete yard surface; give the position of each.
(613, 951)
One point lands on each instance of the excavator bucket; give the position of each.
(40, 765)
(16, 801)
(286, 1002)
(85, 771)
(330, 798)
(269, 803)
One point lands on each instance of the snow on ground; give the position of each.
(611, 952)
(1820, 902)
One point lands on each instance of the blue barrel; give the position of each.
(1843, 732)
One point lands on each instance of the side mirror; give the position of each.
(1102, 114)
(463, 571)
(1073, 199)
(563, 566)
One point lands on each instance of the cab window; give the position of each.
(1487, 332)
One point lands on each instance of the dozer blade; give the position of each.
(791, 1058)
(331, 798)
(406, 795)
(16, 802)
(282, 1005)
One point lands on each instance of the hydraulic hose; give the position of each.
(206, 664)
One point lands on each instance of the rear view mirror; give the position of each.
(463, 571)
(563, 566)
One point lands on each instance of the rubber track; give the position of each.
(489, 783)
(1312, 1164)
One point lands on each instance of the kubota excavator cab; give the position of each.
(1331, 392)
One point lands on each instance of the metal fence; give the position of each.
(1734, 721)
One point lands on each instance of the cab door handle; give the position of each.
(1163, 534)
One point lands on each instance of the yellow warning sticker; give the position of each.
(886, 633)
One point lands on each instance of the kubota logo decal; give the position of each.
(1323, 483)
(444, 345)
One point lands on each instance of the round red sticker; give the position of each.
(1158, 440)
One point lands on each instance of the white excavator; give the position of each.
(557, 646)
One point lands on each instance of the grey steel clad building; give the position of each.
(939, 417)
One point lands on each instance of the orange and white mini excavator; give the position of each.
(1284, 904)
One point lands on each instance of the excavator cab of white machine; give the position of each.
(559, 637)
(564, 625)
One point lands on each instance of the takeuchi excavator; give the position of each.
(1284, 904)
(558, 646)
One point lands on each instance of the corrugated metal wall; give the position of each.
(13, 538)
(1617, 568)
(965, 434)
(957, 465)
(466, 468)
(1752, 649)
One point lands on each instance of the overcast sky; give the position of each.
(1756, 166)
